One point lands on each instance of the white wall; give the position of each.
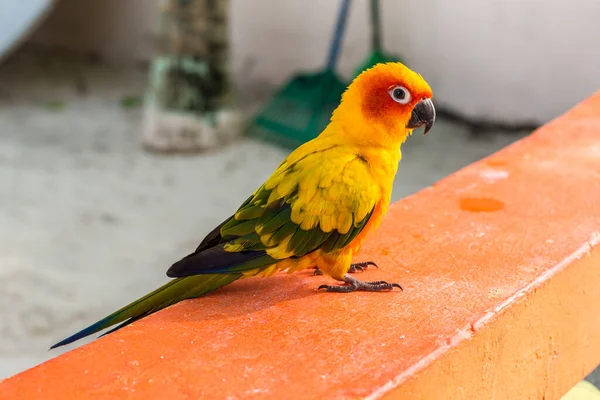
(507, 59)
(120, 30)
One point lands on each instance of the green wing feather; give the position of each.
(307, 205)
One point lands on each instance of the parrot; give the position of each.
(316, 209)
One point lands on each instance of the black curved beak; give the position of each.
(422, 114)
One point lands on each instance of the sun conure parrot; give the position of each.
(318, 206)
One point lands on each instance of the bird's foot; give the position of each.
(361, 266)
(353, 284)
(354, 268)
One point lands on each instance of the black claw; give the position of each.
(398, 286)
(355, 267)
(361, 266)
(317, 271)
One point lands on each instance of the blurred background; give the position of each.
(122, 124)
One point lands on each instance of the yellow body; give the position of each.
(347, 171)
(342, 181)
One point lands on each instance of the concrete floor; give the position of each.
(91, 221)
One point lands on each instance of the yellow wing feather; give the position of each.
(336, 197)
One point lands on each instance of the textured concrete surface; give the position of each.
(90, 221)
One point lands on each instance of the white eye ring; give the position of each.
(400, 94)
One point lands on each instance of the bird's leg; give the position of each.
(360, 266)
(353, 284)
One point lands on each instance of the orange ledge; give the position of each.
(500, 264)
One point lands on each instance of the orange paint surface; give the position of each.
(480, 204)
(497, 304)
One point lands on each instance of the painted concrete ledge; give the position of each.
(500, 263)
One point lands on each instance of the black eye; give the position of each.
(400, 94)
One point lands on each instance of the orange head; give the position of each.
(384, 104)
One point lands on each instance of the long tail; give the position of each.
(175, 291)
